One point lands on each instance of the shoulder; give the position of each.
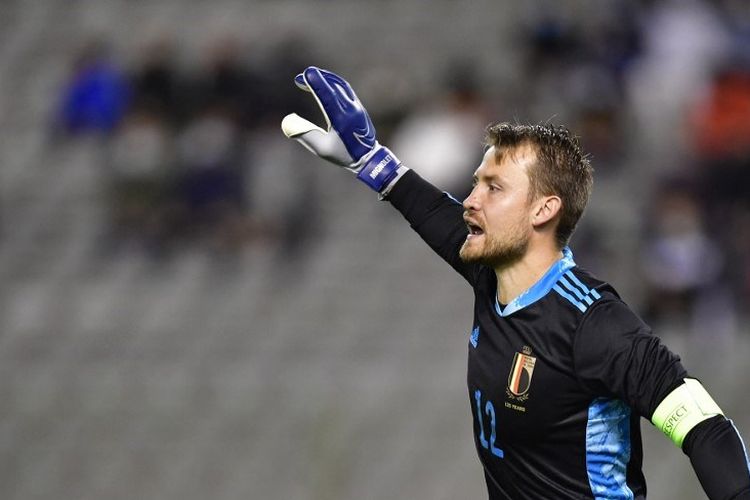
(579, 289)
(604, 321)
(596, 307)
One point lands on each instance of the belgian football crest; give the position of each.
(519, 378)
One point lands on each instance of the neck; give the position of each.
(519, 276)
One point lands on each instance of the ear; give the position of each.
(546, 209)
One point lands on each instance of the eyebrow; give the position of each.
(486, 177)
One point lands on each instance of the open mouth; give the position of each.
(474, 230)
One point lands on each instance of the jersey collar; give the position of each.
(541, 287)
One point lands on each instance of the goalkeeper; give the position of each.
(560, 369)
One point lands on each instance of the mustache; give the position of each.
(467, 216)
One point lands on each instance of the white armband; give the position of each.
(684, 408)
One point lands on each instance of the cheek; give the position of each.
(507, 217)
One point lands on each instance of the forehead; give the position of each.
(508, 163)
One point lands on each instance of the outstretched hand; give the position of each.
(349, 137)
(350, 134)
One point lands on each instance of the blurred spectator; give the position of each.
(574, 68)
(598, 113)
(682, 264)
(225, 80)
(139, 181)
(439, 140)
(211, 180)
(156, 82)
(601, 133)
(737, 15)
(96, 96)
(550, 45)
(720, 132)
(721, 120)
(683, 42)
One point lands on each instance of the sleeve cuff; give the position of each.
(387, 189)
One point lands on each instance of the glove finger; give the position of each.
(293, 125)
(327, 95)
(299, 81)
(341, 87)
(345, 91)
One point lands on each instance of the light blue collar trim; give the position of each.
(541, 287)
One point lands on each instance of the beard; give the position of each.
(495, 252)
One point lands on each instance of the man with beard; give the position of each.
(560, 369)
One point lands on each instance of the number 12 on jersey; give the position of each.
(489, 410)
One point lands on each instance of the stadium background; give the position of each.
(300, 342)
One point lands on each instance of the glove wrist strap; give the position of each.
(379, 169)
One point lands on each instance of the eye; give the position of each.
(493, 187)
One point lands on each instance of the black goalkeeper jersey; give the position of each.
(557, 379)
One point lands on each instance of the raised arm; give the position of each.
(349, 141)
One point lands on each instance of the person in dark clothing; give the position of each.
(560, 369)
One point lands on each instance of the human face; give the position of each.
(497, 211)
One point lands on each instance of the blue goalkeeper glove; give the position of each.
(349, 138)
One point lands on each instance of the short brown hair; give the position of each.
(561, 167)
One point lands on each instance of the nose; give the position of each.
(472, 201)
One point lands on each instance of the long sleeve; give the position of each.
(616, 354)
(719, 459)
(436, 217)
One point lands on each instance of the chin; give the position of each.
(473, 255)
(497, 255)
(468, 258)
